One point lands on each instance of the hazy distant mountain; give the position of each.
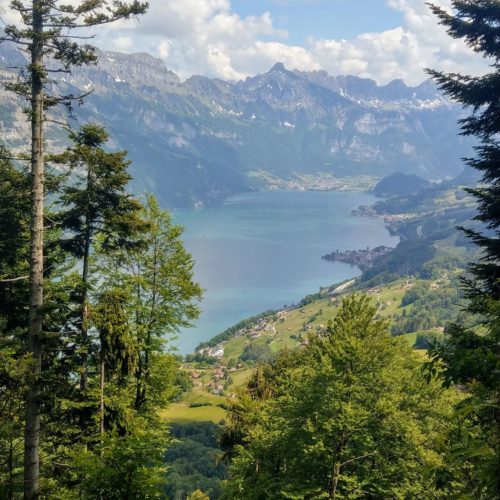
(203, 139)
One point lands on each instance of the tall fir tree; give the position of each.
(95, 204)
(46, 30)
(14, 257)
(472, 358)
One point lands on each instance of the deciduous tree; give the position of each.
(351, 416)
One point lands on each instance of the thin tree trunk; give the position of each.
(10, 493)
(85, 278)
(334, 481)
(138, 384)
(101, 405)
(33, 396)
(85, 318)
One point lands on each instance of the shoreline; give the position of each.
(303, 183)
(323, 284)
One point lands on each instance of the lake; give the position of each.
(262, 250)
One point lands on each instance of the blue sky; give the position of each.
(323, 18)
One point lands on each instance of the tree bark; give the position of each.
(334, 481)
(101, 397)
(35, 322)
(85, 284)
(85, 319)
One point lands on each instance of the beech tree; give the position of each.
(471, 358)
(164, 294)
(49, 31)
(349, 416)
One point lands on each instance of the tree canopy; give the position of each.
(351, 416)
(471, 356)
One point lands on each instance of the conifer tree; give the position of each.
(118, 350)
(472, 358)
(47, 31)
(95, 204)
(14, 251)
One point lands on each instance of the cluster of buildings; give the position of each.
(360, 258)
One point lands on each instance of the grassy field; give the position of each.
(180, 413)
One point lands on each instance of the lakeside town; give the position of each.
(316, 182)
(363, 259)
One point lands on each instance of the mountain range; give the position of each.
(197, 141)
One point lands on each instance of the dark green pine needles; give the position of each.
(471, 358)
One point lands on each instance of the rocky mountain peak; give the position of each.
(278, 67)
(137, 70)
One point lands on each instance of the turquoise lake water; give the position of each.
(263, 250)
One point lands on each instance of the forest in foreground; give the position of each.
(94, 282)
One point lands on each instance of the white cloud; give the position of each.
(403, 52)
(123, 43)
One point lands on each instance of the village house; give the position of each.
(219, 372)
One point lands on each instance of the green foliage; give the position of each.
(230, 332)
(406, 259)
(13, 372)
(425, 340)
(134, 291)
(257, 353)
(199, 357)
(350, 416)
(471, 357)
(415, 293)
(14, 204)
(118, 347)
(96, 203)
(198, 495)
(120, 467)
(430, 308)
(195, 461)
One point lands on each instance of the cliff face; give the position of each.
(198, 140)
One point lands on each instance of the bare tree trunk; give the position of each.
(33, 396)
(334, 481)
(101, 392)
(85, 306)
(10, 491)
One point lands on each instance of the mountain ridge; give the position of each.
(196, 141)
